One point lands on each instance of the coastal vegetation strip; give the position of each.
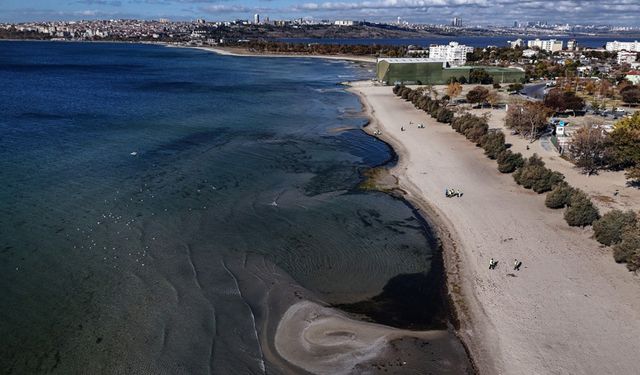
(615, 228)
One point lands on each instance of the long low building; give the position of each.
(391, 71)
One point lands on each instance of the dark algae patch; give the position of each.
(414, 301)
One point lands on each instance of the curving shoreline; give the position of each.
(240, 52)
(459, 311)
(569, 310)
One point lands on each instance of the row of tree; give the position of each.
(271, 46)
(616, 228)
(422, 98)
(622, 231)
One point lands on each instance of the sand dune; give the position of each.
(570, 310)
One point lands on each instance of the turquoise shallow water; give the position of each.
(133, 174)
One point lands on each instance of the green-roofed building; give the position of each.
(391, 71)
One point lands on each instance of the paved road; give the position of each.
(535, 91)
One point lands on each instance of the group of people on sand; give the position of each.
(449, 193)
(516, 264)
(420, 126)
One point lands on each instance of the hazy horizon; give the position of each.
(472, 12)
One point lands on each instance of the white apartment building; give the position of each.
(625, 57)
(518, 43)
(344, 23)
(623, 46)
(551, 45)
(453, 52)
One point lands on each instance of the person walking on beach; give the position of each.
(492, 264)
(516, 265)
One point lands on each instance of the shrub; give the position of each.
(464, 122)
(608, 230)
(633, 261)
(478, 94)
(508, 162)
(629, 244)
(404, 92)
(496, 86)
(534, 175)
(560, 196)
(628, 250)
(432, 108)
(548, 181)
(478, 129)
(581, 211)
(493, 144)
(444, 115)
(516, 87)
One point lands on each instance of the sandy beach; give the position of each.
(235, 51)
(570, 309)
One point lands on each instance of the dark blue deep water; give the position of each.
(132, 176)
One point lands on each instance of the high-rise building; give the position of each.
(623, 46)
(515, 24)
(625, 57)
(551, 45)
(457, 22)
(572, 44)
(256, 19)
(453, 52)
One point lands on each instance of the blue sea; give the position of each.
(140, 184)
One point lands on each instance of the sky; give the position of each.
(472, 12)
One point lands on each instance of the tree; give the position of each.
(581, 211)
(478, 94)
(527, 118)
(493, 143)
(609, 229)
(534, 175)
(590, 87)
(508, 162)
(604, 88)
(630, 94)
(560, 196)
(561, 101)
(480, 76)
(624, 146)
(628, 250)
(588, 148)
(463, 80)
(444, 115)
(492, 98)
(454, 89)
(516, 87)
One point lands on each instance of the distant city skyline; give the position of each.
(482, 12)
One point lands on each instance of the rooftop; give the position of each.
(410, 60)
